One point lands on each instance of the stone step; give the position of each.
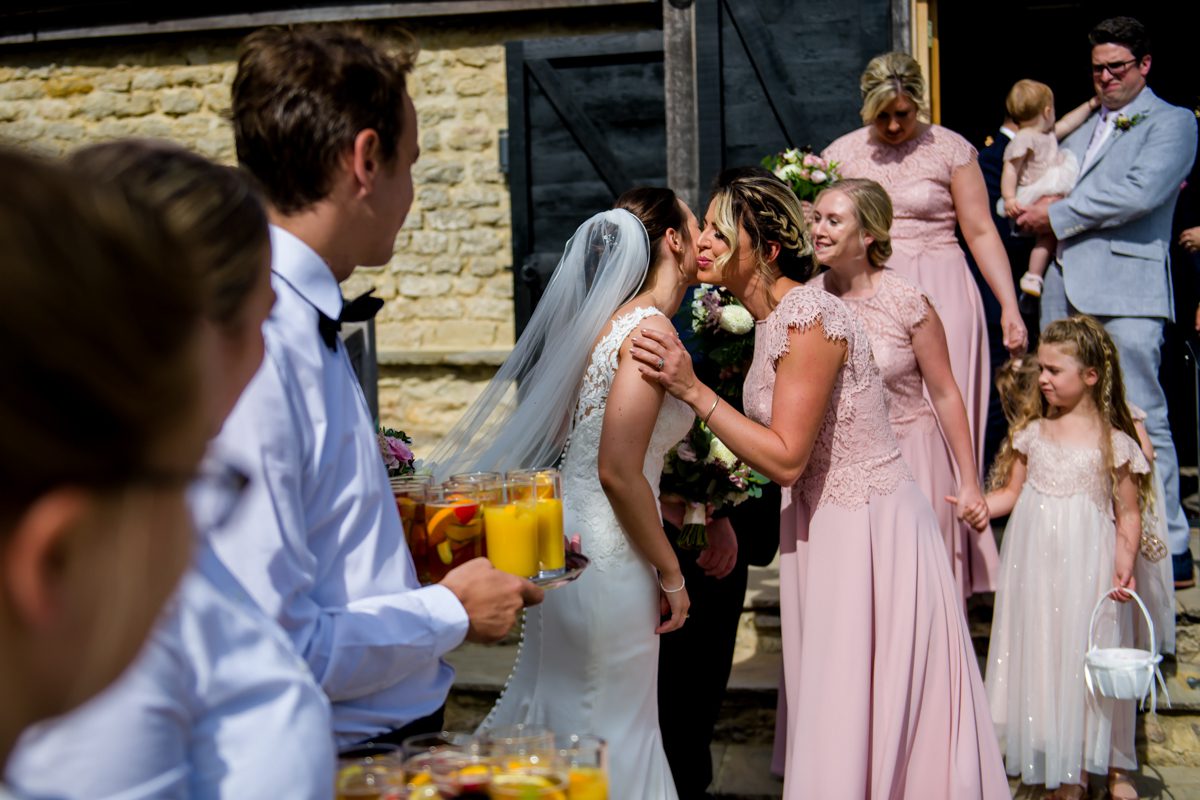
(743, 772)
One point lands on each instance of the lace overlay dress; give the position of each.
(883, 694)
(1056, 561)
(916, 174)
(891, 316)
(588, 661)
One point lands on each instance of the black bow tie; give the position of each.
(360, 309)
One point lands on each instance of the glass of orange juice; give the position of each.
(585, 759)
(511, 529)
(547, 488)
(454, 529)
(369, 778)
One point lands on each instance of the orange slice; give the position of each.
(462, 533)
(445, 551)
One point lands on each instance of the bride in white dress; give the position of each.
(588, 661)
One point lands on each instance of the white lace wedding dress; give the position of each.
(588, 661)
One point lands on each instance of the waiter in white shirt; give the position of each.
(323, 120)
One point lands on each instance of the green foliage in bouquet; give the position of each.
(723, 330)
(803, 170)
(706, 475)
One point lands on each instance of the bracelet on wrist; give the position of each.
(708, 416)
(682, 583)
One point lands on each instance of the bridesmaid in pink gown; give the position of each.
(925, 408)
(933, 178)
(882, 682)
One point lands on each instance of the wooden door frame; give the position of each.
(923, 41)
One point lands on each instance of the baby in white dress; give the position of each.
(1034, 167)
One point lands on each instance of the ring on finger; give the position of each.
(661, 362)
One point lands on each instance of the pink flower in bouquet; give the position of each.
(685, 452)
(817, 176)
(811, 160)
(399, 450)
(738, 481)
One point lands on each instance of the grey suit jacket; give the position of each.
(1115, 226)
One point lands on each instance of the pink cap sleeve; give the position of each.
(1127, 451)
(959, 151)
(1023, 439)
(802, 308)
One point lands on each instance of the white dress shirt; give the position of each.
(217, 705)
(317, 539)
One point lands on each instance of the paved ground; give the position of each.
(742, 753)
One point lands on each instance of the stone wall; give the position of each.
(448, 318)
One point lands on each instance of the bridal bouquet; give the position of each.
(724, 332)
(705, 475)
(394, 447)
(803, 170)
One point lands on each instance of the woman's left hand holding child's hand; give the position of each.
(972, 508)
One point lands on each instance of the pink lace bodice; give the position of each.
(916, 174)
(855, 454)
(890, 316)
(1062, 470)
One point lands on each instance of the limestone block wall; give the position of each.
(448, 318)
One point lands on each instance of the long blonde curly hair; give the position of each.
(1017, 384)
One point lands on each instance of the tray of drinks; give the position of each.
(576, 563)
(519, 762)
(514, 519)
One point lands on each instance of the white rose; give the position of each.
(817, 176)
(788, 172)
(717, 451)
(736, 319)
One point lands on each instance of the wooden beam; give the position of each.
(710, 83)
(679, 85)
(363, 12)
(580, 126)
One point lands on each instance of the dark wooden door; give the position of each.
(773, 74)
(586, 122)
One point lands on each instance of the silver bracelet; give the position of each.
(672, 591)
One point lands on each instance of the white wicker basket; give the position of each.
(1124, 673)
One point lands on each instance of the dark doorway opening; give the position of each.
(985, 49)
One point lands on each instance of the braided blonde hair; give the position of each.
(887, 77)
(755, 200)
(1092, 347)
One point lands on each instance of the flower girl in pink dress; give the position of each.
(1075, 481)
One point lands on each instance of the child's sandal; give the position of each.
(1121, 787)
(1031, 284)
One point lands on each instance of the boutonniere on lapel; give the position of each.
(1124, 123)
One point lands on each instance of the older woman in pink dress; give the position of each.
(935, 184)
(851, 223)
(882, 682)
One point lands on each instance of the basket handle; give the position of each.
(1141, 605)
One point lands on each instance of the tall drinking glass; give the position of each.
(585, 758)
(410, 502)
(454, 530)
(511, 528)
(547, 489)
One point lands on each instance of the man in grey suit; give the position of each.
(1114, 233)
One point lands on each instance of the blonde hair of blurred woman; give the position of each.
(887, 77)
